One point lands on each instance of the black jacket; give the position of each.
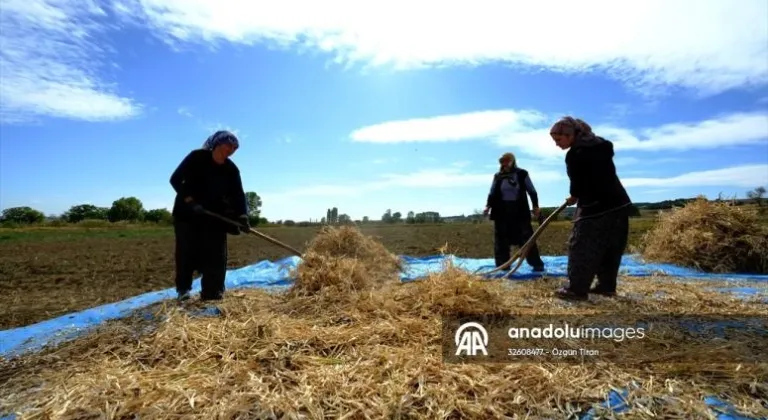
(218, 188)
(494, 201)
(594, 181)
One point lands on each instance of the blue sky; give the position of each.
(368, 108)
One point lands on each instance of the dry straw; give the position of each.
(344, 260)
(358, 347)
(709, 236)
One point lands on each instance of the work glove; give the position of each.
(245, 225)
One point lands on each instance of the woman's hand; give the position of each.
(571, 200)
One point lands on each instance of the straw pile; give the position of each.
(340, 260)
(376, 354)
(709, 236)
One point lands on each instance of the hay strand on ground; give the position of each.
(375, 354)
(377, 357)
(710, 236)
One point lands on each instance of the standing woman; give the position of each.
(601, 221)
(508, 207)
(206, 180)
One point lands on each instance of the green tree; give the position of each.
(253, 202)
(365, 219)
(546, 212)
(22, 215)
(82, 212)
(396, 217)
(410, 218)
(158, 216)
(126, 209)
(334, 215)
(387, 217)
(428, 217)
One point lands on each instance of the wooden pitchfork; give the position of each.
(255, 232)
(521, 253)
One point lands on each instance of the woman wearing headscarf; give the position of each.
(508, 207)
(601, 221)
(207, 180)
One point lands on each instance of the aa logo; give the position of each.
(470, 338)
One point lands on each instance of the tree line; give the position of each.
(333, 217)
(131, 209)
(124, 209)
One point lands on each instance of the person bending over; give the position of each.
(601, 222)
(508, 207)
(207, 180)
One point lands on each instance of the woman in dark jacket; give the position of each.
(207, 180)
(601, 221)
(508, 207)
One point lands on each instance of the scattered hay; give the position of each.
(344, 260)
(377, 357)
(375, 354)
(448, 292)
(709, 236)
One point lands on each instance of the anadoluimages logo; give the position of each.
(470, 338)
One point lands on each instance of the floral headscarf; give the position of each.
(221, 137)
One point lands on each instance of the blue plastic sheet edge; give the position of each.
(616, 402)
(275, 275)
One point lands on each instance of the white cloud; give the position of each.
(212, 128)
(285, 138)
(626, 161)
(427, 178)
(184, 112)
(383, 189)
(456, 127)
(735, 176)
(51, 52)
(706, 45)
(727, 130)
(528, 132)
(658, 191)
(630, 160)
(433, 178)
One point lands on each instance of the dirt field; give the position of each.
(48, 272)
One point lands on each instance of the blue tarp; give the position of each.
(274, 275)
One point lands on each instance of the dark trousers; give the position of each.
(596, 246)
(203, 248)
(510, 229)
